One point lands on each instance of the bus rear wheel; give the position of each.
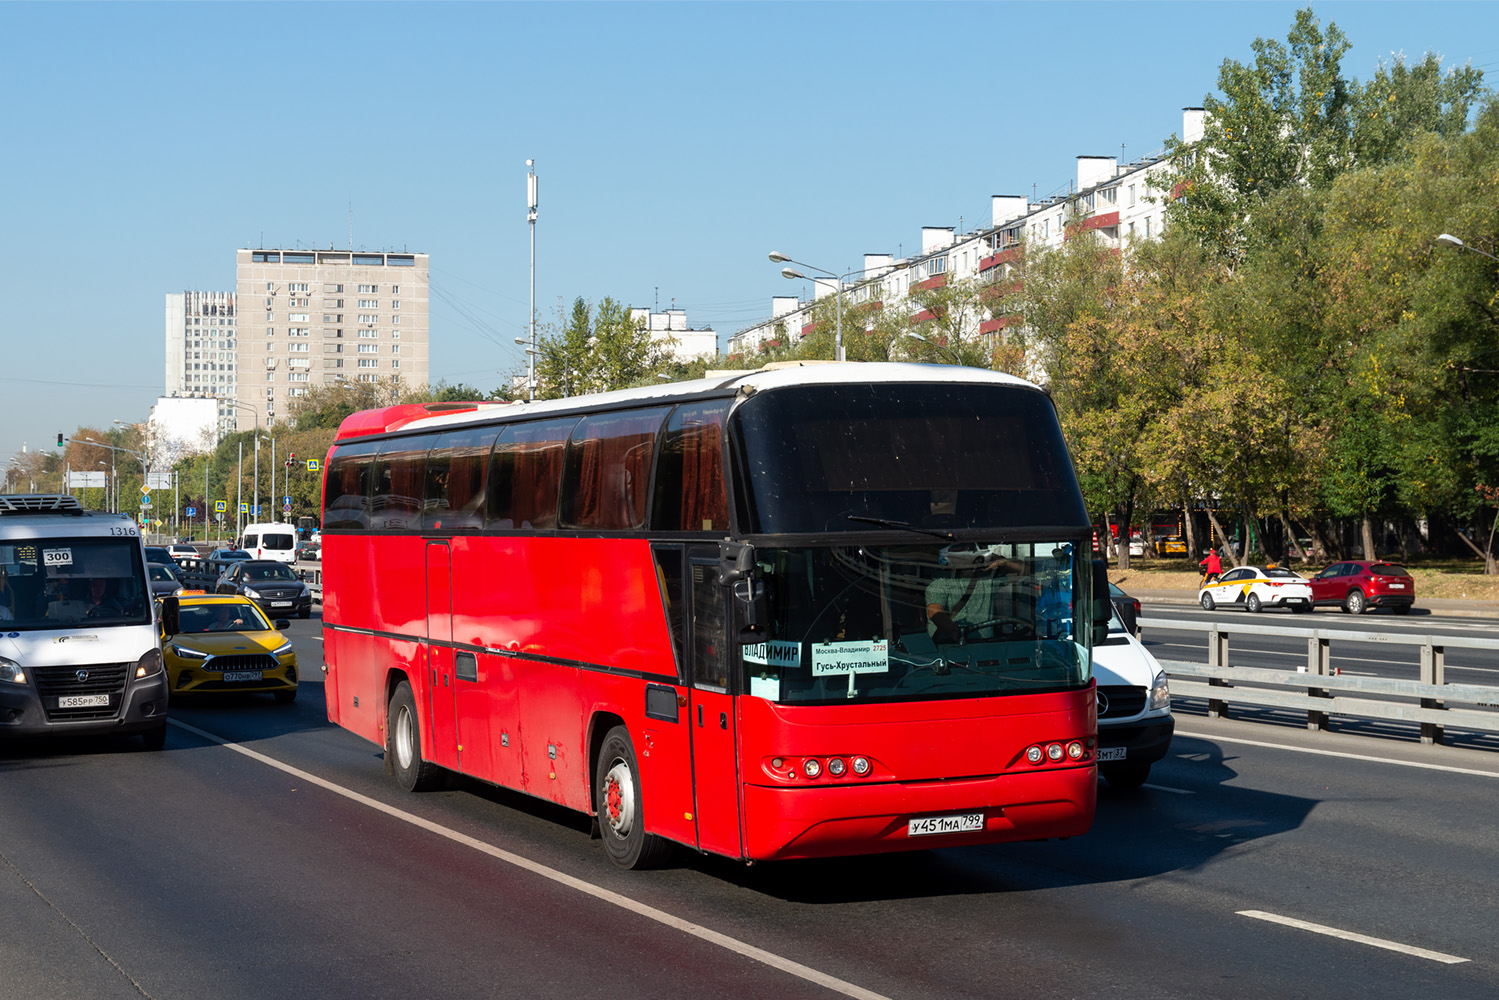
(617, 803)
(403, 744)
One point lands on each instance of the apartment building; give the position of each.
(201, 343)
(313, 317)
(687, 344)
(1121, 202)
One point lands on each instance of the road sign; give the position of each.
(313, 465)
(157, 522)
(191, 511)
(146, 500)
(255, 510)
(220, 506)
(286, 509)
(244, 508)
(286, 500)
(145, 491)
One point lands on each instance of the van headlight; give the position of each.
(148, 664)
(1160, 692)
(11, 672)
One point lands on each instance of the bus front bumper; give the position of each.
(815, 821)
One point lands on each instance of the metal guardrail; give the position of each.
(314, 580)
(1321, 693)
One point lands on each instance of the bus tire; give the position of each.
(617, 804)
(403, 735)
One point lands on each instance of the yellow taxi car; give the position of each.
(226, 643)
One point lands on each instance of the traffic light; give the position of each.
(59, 439)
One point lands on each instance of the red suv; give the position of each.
(1360, 586)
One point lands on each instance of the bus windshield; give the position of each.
(859, 623)
(55, 583)
(932, 456)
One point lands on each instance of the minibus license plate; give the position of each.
(963, 823)
(1112, 753)
(83, 701)
(242, 675)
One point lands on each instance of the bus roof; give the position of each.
(435, 416)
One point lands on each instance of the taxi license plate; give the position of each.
(242, 675)
(1112, 753)
(962, 823)
(83, 701)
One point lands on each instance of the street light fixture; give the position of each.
(792, 273)
(1452, 241)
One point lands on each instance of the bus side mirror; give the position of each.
(1102, 606)
(171, 616)
(736, 569)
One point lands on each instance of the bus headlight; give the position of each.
(11, 671)
(148, 664)
(1160, 692)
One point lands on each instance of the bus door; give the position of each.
(711, 710)
(442, 701)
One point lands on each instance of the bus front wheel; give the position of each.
(403, 744)
(617, 803)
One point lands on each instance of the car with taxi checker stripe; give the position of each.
(1255, 588)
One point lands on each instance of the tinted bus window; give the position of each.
(346, 488)
(454, 494)
(845, 457)
(689, 474)
(525, 474)
(608, 472)
(396, 489)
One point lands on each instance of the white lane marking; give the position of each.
(1338, 753)
(1173, 791)
(1404, 949)
(749, 951)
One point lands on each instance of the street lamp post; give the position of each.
(254, 497)
(791, 273)
(1447, 239)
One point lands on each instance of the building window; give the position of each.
(396, 363)
(395, 348)
(333, 303)
(298, 376)
(1147, 227)
(369, 303)
(369, 318)
(296, 392)
(368, 363)
(270, 331)
(299, 318)
(298, 348)
(395, 320)
(1131, 196)
(1110, 196)
(333, 317)
(369, 289)
(395, 289)
(270, 286)
(270, 376)
(333, 288)
(395, 303)
(368, 334)
(368, 348)
(365, 377)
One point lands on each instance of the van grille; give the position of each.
(1122, 701)
(99, 678)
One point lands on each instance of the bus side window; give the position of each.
(669, 578)
(689, 474)
(396, 494)
(454, 494)
(606, 477)
(347, 487)
(710, 650)
(525, 474)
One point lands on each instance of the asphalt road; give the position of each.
(265, 854)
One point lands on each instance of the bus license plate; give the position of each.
(83, 701)
(963, 823)
(242, 675)
(1112, 753)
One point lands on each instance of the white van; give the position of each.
(270, 541)
(1135, 725)
(79, 646)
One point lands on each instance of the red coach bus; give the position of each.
(818, 611)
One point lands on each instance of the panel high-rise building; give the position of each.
(311, 317)
(201, 345)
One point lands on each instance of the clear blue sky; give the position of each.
(676, 144)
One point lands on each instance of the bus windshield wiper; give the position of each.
(884, 522)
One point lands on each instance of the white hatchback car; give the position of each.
(1255, 587)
